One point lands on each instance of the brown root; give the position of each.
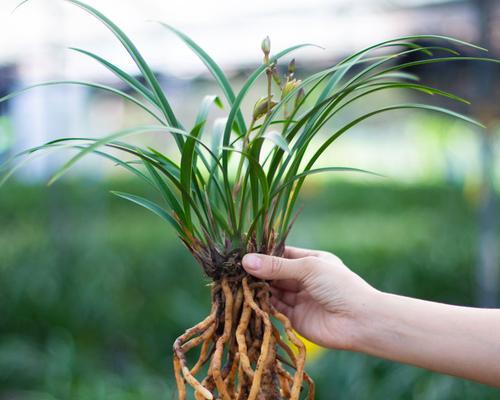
(265, 341)
(219, 346)
(240, 338)
(301, 358)
(204, 354)
(241, 346)
(181, 386)
(286, 381)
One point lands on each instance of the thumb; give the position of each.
(272, 267)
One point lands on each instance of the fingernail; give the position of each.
(252, 262)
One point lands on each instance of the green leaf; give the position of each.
(35, 152)
(256, 171)
(139, 61)
(31, 154)
(59, 143)
(356, 121)
(438, 60)
(153, 207)
(167, 162)
(375, 87)
(320, 171)
(398, 75)
(214, 69)
(422, 88)
(121, 163)
(107, 139)
(217, 133)
(384, 60)
(165, 190)
(85, 84)
(403, 39)
(128, 79)
(187, 167)
(278, 140)
(201, 119)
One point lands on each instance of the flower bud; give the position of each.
(275, 74)
(266, 46)
(289, 87)
(291, 68)
(300, 95)
(261, 107)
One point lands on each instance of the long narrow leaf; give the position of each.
(85, 84)
(127, 78)
(107, 139)
(321, 171)
(214, 69)
(153, 207)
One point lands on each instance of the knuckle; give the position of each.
(330, 258)
(325, 254)
(311, 260)
(276, 265)
(336, 259)
(311, 263)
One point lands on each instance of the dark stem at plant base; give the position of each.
(241, 346)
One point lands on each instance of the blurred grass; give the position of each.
(93, 290)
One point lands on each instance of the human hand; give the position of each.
(330, 305)
(324, 300)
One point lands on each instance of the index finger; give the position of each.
(290, 285)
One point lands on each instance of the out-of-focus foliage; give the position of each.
(93, 290)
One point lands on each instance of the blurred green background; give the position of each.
(93, 290)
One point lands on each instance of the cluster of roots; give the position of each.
(246, 356)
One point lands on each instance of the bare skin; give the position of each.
(332, 306)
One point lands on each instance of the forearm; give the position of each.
(454, 340)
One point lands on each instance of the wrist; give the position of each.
(367, 316)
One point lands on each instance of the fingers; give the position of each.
(271, 267)
(290, 285)
(282, 307)
(289, 298)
